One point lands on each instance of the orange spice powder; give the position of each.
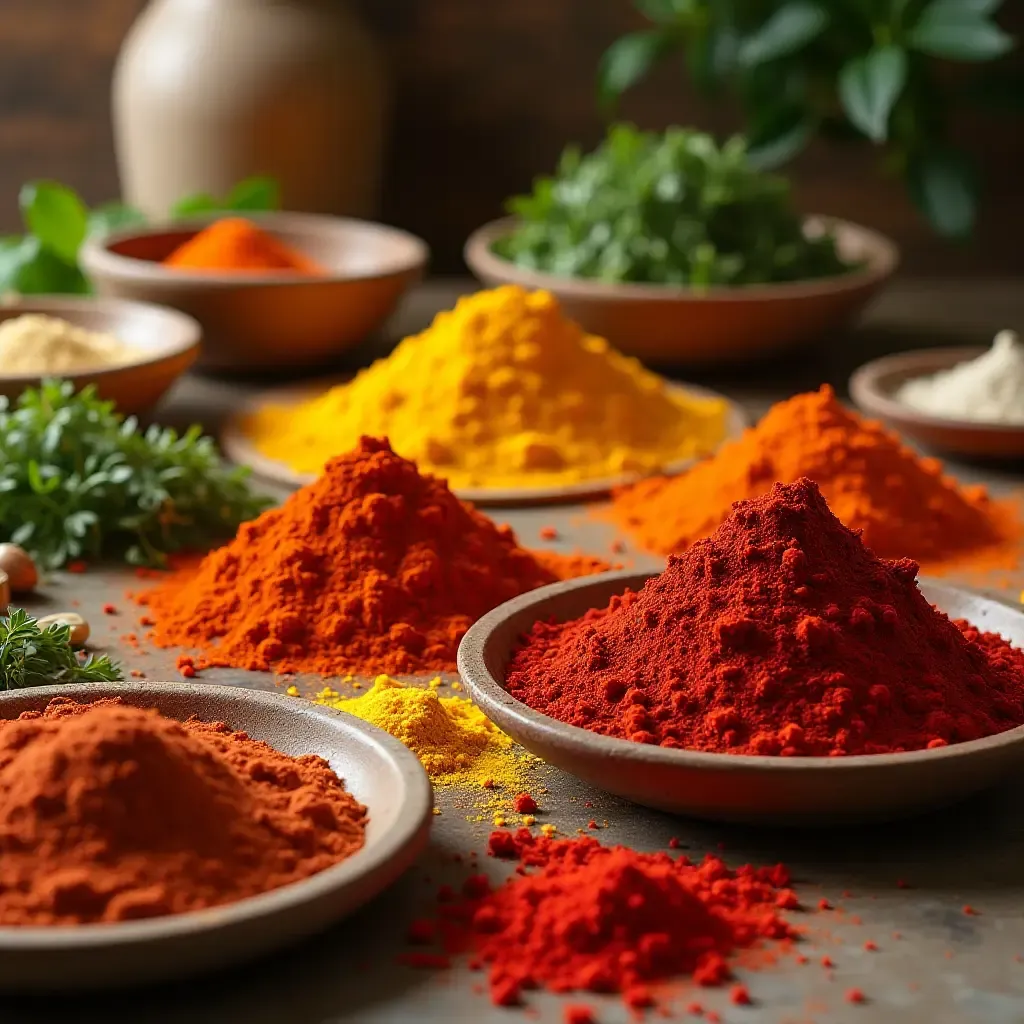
(235, 243)
(902, 502)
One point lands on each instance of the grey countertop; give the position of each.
(945, 966)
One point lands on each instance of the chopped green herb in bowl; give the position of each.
(670, 209)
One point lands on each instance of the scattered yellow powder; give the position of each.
(501, 391)
(292, 691)
(457, 744)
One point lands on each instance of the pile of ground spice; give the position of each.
(372, 568)
(455, 741)
(781, 634)
(903, 504)
(519, 396)
(113, 813)
(235, 243)
(609, 919)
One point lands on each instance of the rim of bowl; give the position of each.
(488, 692)
(97, 255)
(866, 390)
(882, 261)
(363, 861)
(64, 306)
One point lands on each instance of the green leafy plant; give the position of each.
(30, 656)
(868, 69)
(665, 209)
(77, 480)
(57, 222)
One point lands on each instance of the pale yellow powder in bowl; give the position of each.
(36, 343)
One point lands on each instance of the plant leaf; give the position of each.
(944, 186)
(780, 137)
(110, 217)
(665, 11)
(629, 59)
(29, 268)
(953, 31)
(790, 28)
(191, 206)
(56, 216)
(258, 194)
(869, 86)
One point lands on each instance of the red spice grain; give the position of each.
(374, 567)
(674, 844)
(575, 1013)
(109, 609)
(113, 813)
(695, 1009)
(610, 919)
(524, 803)
(855, 995)
(593, 824)
(826, 961)
(870, 946)
(970, 911)
(712, 1018)
(823, 904)
(782, 635)
(548, 533)
(77, 566)
(740, 995)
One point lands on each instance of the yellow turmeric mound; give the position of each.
(455, 741)
(501, 392)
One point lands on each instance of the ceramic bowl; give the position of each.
(168, 343)
(873, 388)
(669, 325)
(377, 770)
(802, 791)
(254, 321)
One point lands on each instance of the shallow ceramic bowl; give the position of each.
(168, 343)
(239, 448)
(805, 791)
(255, 321)
(377, 769)
(665, 324)
(873, 387)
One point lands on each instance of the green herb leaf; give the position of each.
(944, 186)
(195, 205)
(30, 656)
(56, 216)
(79, 480)
(666, 11)
(628, 59)
(111, 217)
(255, 195)
(28, 268)
(790, 28)
(783, 133)
(949, 29)
(869, 87)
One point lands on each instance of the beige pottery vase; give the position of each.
(209, 92)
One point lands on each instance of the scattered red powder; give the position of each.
(695, 1009)
(854, 995)
(109, 609)
(870, 946)
(577, 1014)
(548, 533)
(970, 911)
(782, 634)
(826, 961)
(823, 904)
(740, 995)
(674, 844)
(592, 824)
(609, 919)
(524, 804)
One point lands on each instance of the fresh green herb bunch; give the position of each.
(841, 69)
(30, 656)
(77, 480)
(57, 222)
(665, 209)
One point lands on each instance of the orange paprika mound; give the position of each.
(113, 813)
(238, 244)
(901, 502)
(373, 568)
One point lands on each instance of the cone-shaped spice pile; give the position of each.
(781, 634)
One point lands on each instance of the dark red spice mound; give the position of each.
(609, 919)
(113, 813)
(780, 634)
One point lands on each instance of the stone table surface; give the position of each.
(944, 965)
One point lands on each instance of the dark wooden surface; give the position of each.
(487, 94)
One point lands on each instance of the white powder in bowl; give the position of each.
(989, 389)
(34, 343)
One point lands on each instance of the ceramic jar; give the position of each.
(209, 92)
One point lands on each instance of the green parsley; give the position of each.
(78, 480)
(30, 656)
(673, 209)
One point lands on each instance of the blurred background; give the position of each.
(486, 93)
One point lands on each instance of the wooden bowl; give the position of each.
(377, 769)
(254, 321)
(168, 343)
(727, 787)
(873, 388)
(672, 325)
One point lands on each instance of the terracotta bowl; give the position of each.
(672, 325)
(254, 321)
(873, 387)
(168, 343)
(802, 791)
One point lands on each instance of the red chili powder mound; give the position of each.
(113, 813)
(781, 634)
(372, 568)
(610, 919)
(903, 504)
